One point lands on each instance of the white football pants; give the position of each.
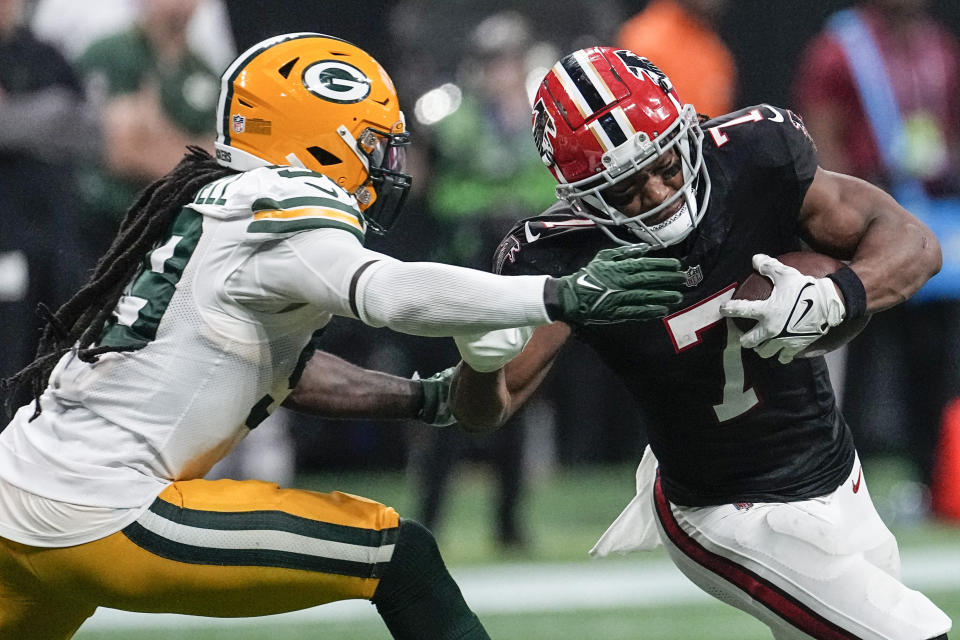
(826, 568)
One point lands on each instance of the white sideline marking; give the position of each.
(511, 588)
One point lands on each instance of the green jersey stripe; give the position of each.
(153, 289)
(269, 204)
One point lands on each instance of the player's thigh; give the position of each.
(28, 609)
(227, 548)
(793, 567)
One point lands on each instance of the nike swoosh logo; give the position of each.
(791, 327)
(856, 485)
(528, 232)
(583, 282)
(806, 309)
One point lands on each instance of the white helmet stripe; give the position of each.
(601, 136)
(621, 117)
(571, 89)
(598, 84)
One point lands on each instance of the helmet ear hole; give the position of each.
(323, 156)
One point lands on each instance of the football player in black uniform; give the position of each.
(751, 477)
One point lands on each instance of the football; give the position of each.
(758, 287)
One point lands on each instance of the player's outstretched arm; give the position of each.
(334, 388)
(441, 300)
(330, 270)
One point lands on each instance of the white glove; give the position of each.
(800, 309)
(489, 351)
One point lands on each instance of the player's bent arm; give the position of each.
(485, 401)
(890, 250)
(334, 388)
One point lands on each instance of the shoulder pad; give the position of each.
(763, 136)
(282, 201)
(542, 230)
(752, 126)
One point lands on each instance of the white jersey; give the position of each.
(218, 319)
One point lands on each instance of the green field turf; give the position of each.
(564, 515)
(713, 622)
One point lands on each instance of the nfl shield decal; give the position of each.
(239, 123)
(694, 276)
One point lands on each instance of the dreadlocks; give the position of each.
(78, 322)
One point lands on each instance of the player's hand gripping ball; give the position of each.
(802, 325)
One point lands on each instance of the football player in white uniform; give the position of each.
(198, 322)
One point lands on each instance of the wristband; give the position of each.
(551, 298)
(852, 291)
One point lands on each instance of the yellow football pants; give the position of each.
(213, 548)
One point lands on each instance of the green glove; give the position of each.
(436, 398)
(616, 286)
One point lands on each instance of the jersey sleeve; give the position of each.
(555, 243)
(766, 151)
(792, 148)
(280, 202)
(316, 268)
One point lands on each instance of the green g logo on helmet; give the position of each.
(336, 81)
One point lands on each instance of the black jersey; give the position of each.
(726, 424)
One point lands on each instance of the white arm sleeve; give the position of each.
(330, 269)
(430, 299)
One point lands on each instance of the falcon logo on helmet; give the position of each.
(639, 65)
(331, 108)
(614, 114)
(543, 131)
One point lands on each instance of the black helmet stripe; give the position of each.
(613, 129)
(583, 83)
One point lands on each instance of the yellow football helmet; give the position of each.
(317, 102)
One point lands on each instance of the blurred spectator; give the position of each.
(486, 174)
(681, 36)
(73, 26)
(486, 171)
(887, 71)
(434, 36)
(45, 126)
(158, 97)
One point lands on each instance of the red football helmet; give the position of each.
(603, 114)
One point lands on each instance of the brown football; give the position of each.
(758, 287)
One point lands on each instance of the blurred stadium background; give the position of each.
(514, 515)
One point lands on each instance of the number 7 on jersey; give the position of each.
(685, 328)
